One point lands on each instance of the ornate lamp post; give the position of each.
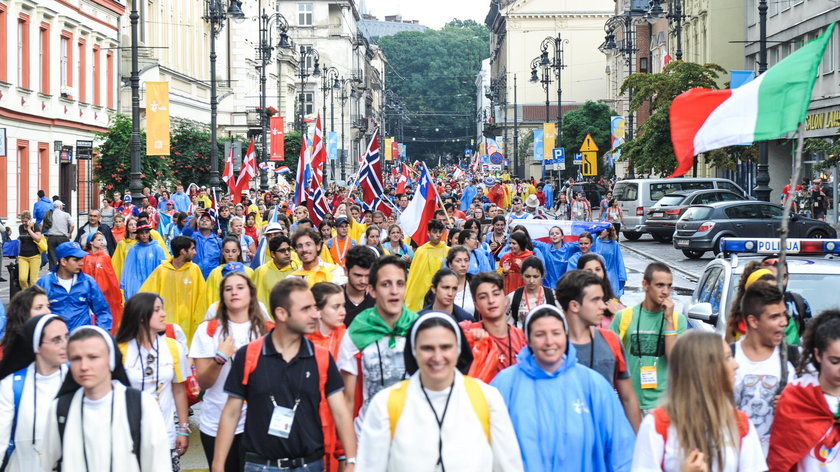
(265, 49)
(303, 73)
(628, 49)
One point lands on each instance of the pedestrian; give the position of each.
(587, 429)
(60, 230)
(94, 225)
(585, 243)
(441, 296)
(494, 342)
(73, 294)
(108, 212)
(97, 264)
(533, 293)
(373, 241)
(797, 306)
(613, 214)
(564, 209)
(581, 210)
(231, 252)
(100, 414)
(480, 259)
(762, 374)
(371, 354)
(308, 245)
(696, 428)
(606, 245)
(25, 304)
(179, 284)
(340, 244)
(357, 298)
(286, 399)
(129, 240)
(581, 296)
(396, 246)
(466, 414)
(428, 259)
(555, 253)
(29, 258)
(37, 366)
(497, 239)
(458, 259)
(275, 269)
(41, 207)
(141, 261)
(736, 325)
(805, 429)
(247, 243)
(594, 263)
(118, 231)
(157, 365)
(648, 332)
(511, 263)
(237, 321)
(208, 245)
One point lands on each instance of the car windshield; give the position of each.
(626, 191)
(670, 200)
(696, 213)
(812, 289)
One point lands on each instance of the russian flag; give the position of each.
(421, 210)
(282, 170)
(538, 229)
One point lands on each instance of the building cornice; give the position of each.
(35, 119)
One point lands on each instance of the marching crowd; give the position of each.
(343, 344)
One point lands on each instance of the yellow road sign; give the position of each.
(590, 164)
(588, 144)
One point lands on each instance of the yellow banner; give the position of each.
(388, 142)
(549, 134)
(157, 118)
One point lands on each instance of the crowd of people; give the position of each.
(346, 345)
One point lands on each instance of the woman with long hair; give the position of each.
(458, 259)
(97, 264)
(585, 241)
(698, 428)
(107, 212)
(231, 252)
(372, 240)
(39, 356)
(130, 239)
(157, 365)
(29, 259)
(441, 296)
(396, 246)
(118, 231)
(246, 243)
(25, 304)
(595, 263)
(532, 294)
(606, 244)
(238, 321)
(511, 263)
(251, 226)
(452, 237)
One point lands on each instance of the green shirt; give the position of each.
(646, 331)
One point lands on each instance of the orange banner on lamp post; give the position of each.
(278, 138)
(157, 118)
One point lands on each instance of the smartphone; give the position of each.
(201, 203)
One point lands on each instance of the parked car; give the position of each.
(636, 196)
(663, 215)
(700, 228)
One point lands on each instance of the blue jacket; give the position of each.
(75, 306)
(42, 206)
(182, 201)
(2, 319)
(208, 250)
(467, 197)
(555, 260)
(569, 420)
(548, 190)
(614, 262)
(140, 262)
(481, 261)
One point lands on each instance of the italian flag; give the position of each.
(769, 107)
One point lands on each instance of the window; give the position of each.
(44, 166)
(23, 174)
(66, 64)
(109, 73)
(742, 212)
(729, 186)
(4, 61)
(23, 51)
(730, 197)
(304, 14)
(307, 99)
(44, 59)
(712, 289)
(626, 191)
(97, 79)
(771, 211)
(828, 57)
(81, 65)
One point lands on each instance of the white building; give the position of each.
(58, 85)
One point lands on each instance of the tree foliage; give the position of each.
(828, 146)
(112, 166)
(433, 74)
(190, 154)
(592, 119)
(651, 150)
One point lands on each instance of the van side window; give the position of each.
(626, 191)
(658, 190)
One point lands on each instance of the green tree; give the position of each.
(190, 154)
(651, 149)
(433, 74)
(592, 119)
(112, 166)
(829, 146)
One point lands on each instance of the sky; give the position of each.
(431, 13)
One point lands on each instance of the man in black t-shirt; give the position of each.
(358, 262)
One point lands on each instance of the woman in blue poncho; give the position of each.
(555, 254)
(566, 416)
(607, 246)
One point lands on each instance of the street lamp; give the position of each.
(329, 77)
(558, 65)
(215, 13)
(265, 49)
(343, 97)
(545, 81)
(627, 48)
(762, 176)
(135, 184)
(306, 52)
(675, 16)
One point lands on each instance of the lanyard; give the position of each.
(288, 365)
(343, 253)
(527, 302)
(84, 446)
(509, 346)
(659, 337)
(440, 419)
(156, 348)
(591, 350)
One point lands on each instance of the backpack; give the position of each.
(625, 317)
(18, 382)
(662, 422)
(48, 222)
(615, 346)
(133, 409)
(799, 303)
(397, 398)
(517, 299)
(792, 357)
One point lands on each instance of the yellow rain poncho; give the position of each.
(428, 259)
(183, 294)
(214, 281)
(266, 277)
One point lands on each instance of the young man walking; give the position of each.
(359, 261)
(428, 259)
(308, 244)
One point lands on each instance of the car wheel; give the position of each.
(662, 238)
(818, 234)
(632, 235)
(692, 254)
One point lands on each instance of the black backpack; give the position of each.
(47, 224)
(134, 410)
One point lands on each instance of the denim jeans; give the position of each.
(317, 466)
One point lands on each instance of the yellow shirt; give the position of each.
(214, 281)
(323, 272)
(356, 230)
(183, 294)
(266, 277)
(427, 260)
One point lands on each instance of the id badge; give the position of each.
(648, 377)
(281, 422)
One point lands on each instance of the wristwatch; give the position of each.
(351, 460)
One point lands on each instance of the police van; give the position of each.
(813, 273)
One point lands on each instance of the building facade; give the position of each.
(58, 86)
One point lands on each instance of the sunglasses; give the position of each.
(148, 371)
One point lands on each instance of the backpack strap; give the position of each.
(549, 296)
(252, 357)
(134, 412)
(799, 302)
(396, 403)
(170, 330)
(61, 411)
(615, 346)
(625, 317)
(18, 382)
(176, 358)
(479, 404)
(661, 423)
(515, 302)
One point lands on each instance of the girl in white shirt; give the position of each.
(36, 357)
(698, 429)
(157, 365)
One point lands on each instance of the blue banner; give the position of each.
(538, 144)
(332, 145)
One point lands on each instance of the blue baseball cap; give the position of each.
(233, 267)
(69, 249)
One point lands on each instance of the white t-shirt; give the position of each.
(756, 383)
(203, 346)
(159, 384)
(651, 454)
(382, 366)
(67, 284)
(464, 300)
(214, 307)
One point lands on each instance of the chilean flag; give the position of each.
(421, 210)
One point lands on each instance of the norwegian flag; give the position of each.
(249, 169)
(304, 173)
(317, 204)
(319, 152)
(370, 177)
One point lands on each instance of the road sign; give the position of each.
(578, 160)
(496, 158)
(590, 164)
(588, 144)
(558, 159)
(467, 152)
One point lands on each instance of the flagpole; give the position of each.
(437, 195)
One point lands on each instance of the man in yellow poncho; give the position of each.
(357, 229)
(278, 267)
(428, 259)
(181, 285)
(308, 245)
